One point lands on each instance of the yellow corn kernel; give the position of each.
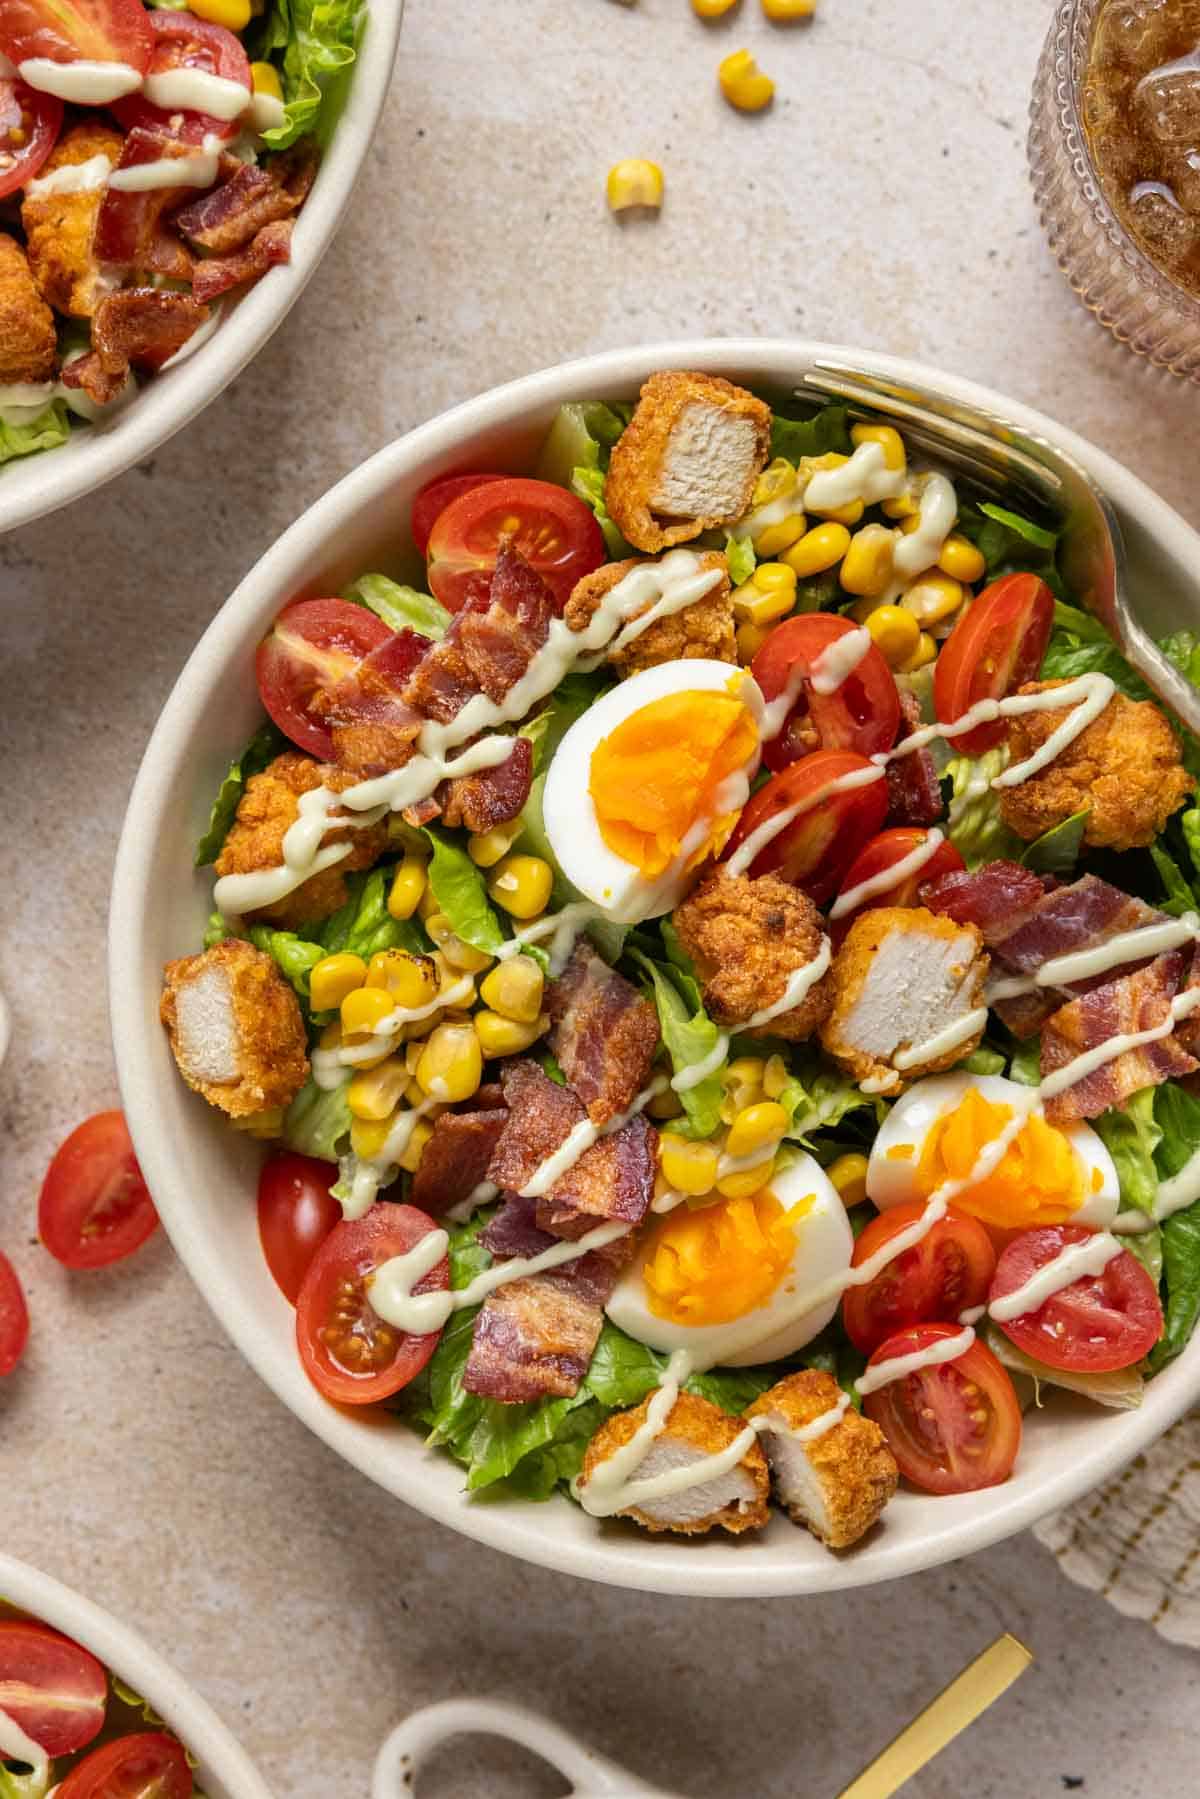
(743, 83)
(747, 1180)
(750, 639)
(333, 978)
(903, 506)
(782, 12)
(506, 1036)
(776, 482)
(849, 1177)
(759, 603)
(451, 1064)
(742, 1086)
(463, 957)
(772, 540)
(842, 515)
(887, 437)
(867, 565)
(368, 1136)
(410, 980)
(775, 578)
(922, 656)
(911, 521)
(414, 1093)
(961, 560)
(234, 15)
(775, 1077)
(487, 847)
(264, 78)
(634, 182)
(755, 1127)
(376, 1094)
(521, 884)
(412, 1054)
(408, 887)
(414, 1149)
(895, 632)
(365, 1009)
(932, 598)
(514, 989)
(429, 905)
(664, 1105)
(712, 9)
(817, 550)
(688, 1167)
(264, 1125)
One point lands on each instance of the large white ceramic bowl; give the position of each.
(225, 1771)
(202, 1174)
(94, 454)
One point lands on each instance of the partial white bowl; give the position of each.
(93, 454)
(225, 1771)
(202, 1174)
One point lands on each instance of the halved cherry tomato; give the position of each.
(949, 1270)
(29, 126)
(94, 1207)
(349, 1353)
(952, 1426)
(71, 30)
(814, 850)
(296, 1212)
(996, 646)
(886, 851)
(181, 41)
(54, 1689)
(14, 1317)
(312, 645)
(863, 711)
(548, 526)
(435, 496)
(148, 1765)
(1100, 1322)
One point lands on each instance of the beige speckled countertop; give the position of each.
(883, 201)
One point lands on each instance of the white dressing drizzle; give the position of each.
(944, 1349)
(82, 82)
(185, 89)
(817, 1427)
(198, 169)
(752, 847)
(563, 929)
(267, 112)
(1071, 1263)
(917, 550)
(1177, 1192)
(799, 983)
(71, 178)
(864, 476)
(16, 1745)
(696, 1072)
(889, 877)
(384, 1038)
(581, 1139)
(837, 663)
(958, 1031)
(1182, 1006)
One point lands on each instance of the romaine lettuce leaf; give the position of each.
(1009, 542)
(588, 485)
(1131, 1134)
(364, 925)
(267, 743)
(319, 39)
(1079, 645)
(569, 701)
(1177, 1115)
(46, 432)
(689, 1035)
(317, 1123)
(739, 554)
(1056, 851)
(575, 455)
(1123, 1389)
(295, 957)
(828, 429)
(818, 1095)
(399, 607)
(1181, 1274)
(461, 892)
(974, 825)
(33, 1785)
(1179, 894)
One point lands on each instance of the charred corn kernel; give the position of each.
(506, 1036)
(755, 1127)
(817, 550)
(781, 12)
(903, 506)
(414, 1149)
(451, 1064)
(867, 565)
(264, 78)
(234, 15)
(376, 1094)
(664, 1105)
(688, 1167)
(365, 1009)
(896, 633)
(961, 560)
(932, 598)
(461, 956)
(429, 904)
(333, 978)
(772, 540)
(743, 83)
(750, 639)
(521, 884)
(487, 847)
(887, 437)
(264, 1125)
(455, 986)
(408, 887)
(712, 9)
(777, 482)
(514, 989)
(922, 656)
(368, 1136)
(849, 1177)
(775, 1077)
(634, 182)
(745, 1181)
(410, 980)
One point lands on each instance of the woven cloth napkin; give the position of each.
(1136, 1541)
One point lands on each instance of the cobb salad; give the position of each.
(153, 161)
(714, 964)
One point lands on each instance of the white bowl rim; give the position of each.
(32, 486)
(134, 1662)
(694, 1567)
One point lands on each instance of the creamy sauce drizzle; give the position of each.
(198, 169)
(186, 89)
(889, 877)
(83, 82)
(797, 987)
(71, 178)
(696, 1072)
(959, 1031)
(563, 929)
(1069, 1265)
(837, 663)
(581, 1139)
(864, 476)
(15, 1745)
(945, 1349)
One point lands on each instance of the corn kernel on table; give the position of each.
(881, 200)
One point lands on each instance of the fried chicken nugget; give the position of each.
(236, 1028)
(705, 628)
(1125, 768)
(695, 1428)
(747, 937)
(838, 1483)
(688, 459)
(28, 344)
(59, 227)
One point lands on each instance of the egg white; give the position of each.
(824, 1245)
(893, 1183)
(616, 886)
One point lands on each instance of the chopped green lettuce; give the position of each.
(984, 1060)
(267, 743)
(819, 1096)
(1010, 543)
(1131, 1134)
(295, 957)
(974, 825)
(45, 432)
(319, 40)
(1179, 894)
(1177, 1115)
(1079, 645)
(821, 432)
(1026, 1063)
(33, 1784)
(216, 930)
(1122, 1389)
(575, 455)
(739, 554)
(461, 892)
(317, 1123)
(400, 607)
(1056, 851)
(364, 925)
(690, 1036)
(588, 485)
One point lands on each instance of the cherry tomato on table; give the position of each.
(815, 848)
(996, 646)
(74, 30)
(312, 645)
(94, 1206)
(55, 1690)
(947, 1272)
(435, 496)
(148, 1765)
(552, 529)
(29, 126)
(1100, 1322)
(181, 41)
(952, 1426)
(863, 711)
(885, 852)
(296, 1212)
(14, 1317)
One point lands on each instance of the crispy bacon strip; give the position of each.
(541, 1115)
(455, 1160)
(271, 245)
(256, 195)
(372, 727)
(603, 1033)
(1133, 1003)
(996, 898)
(167, 256)
(139, 326)
(914, 791)
(493, 796)
(127, 223)
(612, 1180)
(489, 645)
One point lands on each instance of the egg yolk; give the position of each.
(720, 1261)
(1039, 1179)
(655, 781)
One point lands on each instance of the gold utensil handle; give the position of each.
(967, 1696)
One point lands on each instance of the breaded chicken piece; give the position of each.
(747, 937)
(903, 979)
(1125, 767)
(695, 1428)
(59, 227)
(269, 805)
(688, 459)
(235, 1027)
(838, 1483)
(705, 628)
(28, 344)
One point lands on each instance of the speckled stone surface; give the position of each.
(884, 202)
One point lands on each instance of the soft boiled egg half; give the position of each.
(939, 1129)
(649, 783)
(728, 1281)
